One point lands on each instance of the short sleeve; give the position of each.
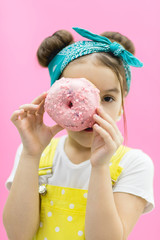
(137, 177)
(9, 181)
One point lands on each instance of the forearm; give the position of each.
(21, 212)
(102, 221)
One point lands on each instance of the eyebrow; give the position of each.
(116, 90)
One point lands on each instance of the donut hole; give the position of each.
(70, 105)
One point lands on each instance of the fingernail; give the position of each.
(95, 115)
(95, 125)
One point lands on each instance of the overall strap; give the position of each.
(115, 168)
(46, 160)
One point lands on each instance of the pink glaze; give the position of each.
(72, 102)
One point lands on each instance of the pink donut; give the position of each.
(71, 102)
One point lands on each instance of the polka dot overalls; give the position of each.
(62, 208)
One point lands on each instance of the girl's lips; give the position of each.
(88, 130)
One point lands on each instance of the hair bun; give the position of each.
(52, 45)
(121, 39)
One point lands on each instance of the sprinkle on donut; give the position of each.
(72, 102)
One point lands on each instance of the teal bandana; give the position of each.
(81, 48)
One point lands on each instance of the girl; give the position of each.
(90, 185)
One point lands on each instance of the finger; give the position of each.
(40, 113)
(29, 107)
(106, 126)
(15, 116)
(32, 112)
(23, 115)
(107, 117)
(39, 99)
(105, 135)
(41, 108)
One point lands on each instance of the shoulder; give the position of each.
(50, 155)
(136, 158)
(53, 147)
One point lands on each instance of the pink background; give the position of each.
(24, 24)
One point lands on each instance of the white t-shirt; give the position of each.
(136, 177)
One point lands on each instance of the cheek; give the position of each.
(81, 138)
(112, 110)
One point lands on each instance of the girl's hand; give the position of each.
(35, 135)
(107, 139)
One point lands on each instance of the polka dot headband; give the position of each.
(81, 48)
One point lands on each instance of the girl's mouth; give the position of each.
(88, 130)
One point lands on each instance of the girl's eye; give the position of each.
(108, 99)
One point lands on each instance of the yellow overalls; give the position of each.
(63, 209)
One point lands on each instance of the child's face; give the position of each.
(104, 79)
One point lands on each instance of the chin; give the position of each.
(82, 138)
(87, 143)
